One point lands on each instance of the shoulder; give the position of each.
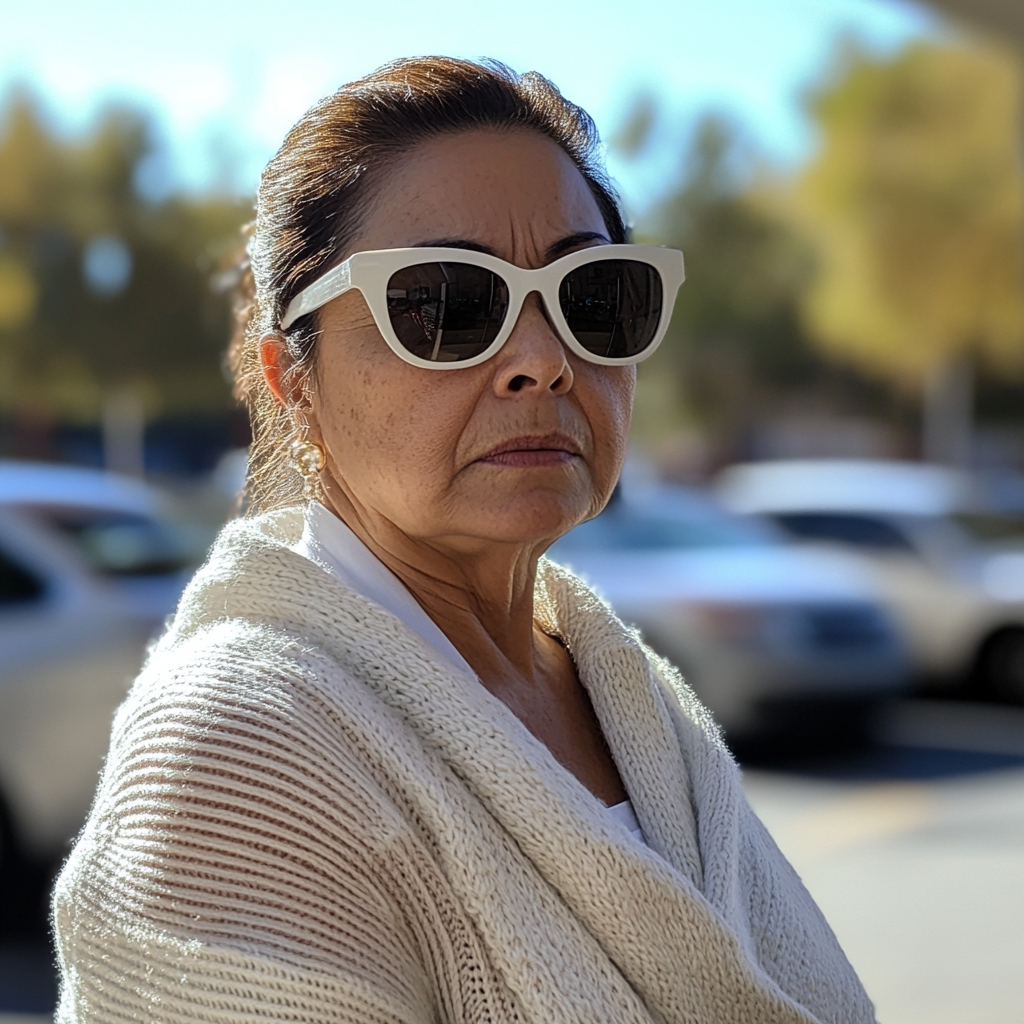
(569, 606)
(241, 836)
(241, 723)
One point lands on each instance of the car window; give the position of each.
(626, 531)
(987, 527)
(17, 584)
(116, 544)
(845, 528)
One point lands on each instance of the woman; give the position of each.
(387, 764)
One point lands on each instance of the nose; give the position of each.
(533, 360)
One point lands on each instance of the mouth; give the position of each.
(534, 450)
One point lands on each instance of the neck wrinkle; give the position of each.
(484, 607)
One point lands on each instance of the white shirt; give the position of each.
(329, 542)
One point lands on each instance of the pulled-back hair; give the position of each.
(314, 193)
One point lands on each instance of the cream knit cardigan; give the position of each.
(307, 815)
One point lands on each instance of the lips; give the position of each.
(533, 450)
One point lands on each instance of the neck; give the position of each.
(479, 594)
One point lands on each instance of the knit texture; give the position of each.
(308, 815)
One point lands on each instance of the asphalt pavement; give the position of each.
(913, 847)
(914, 850)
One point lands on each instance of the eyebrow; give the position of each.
(455, 243)
(556, 249)
(571, 241)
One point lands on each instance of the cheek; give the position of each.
(607, 396)
(387, 425)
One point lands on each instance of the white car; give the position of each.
(950, 570)
(773, 638)
(90, 567)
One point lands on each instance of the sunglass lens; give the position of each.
(446, 312)
(612, 307)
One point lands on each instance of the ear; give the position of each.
(275, 360)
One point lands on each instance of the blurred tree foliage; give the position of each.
(736, 339)
(885, 267)
(746, 267)
(102, 290)
(915, 204)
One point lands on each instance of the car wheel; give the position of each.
(24, 889)
(796, 729)
(10, 876)
(1001, 665)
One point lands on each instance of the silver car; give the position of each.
(949, 567)
(773, 638)
(90, 567)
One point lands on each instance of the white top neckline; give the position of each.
(625, 815)
(328, 541)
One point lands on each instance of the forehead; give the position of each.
(513, 191)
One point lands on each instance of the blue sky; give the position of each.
(228, 79)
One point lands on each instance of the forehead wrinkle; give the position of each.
(532, 248)
(566, 205)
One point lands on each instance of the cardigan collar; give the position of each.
(586, 857)
(611, 661)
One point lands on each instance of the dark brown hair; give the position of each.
(314, 192)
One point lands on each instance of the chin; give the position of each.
(531, 519)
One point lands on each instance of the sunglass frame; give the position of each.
(370, 272)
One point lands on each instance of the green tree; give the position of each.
(735, 337)
(916, 206)
(101, 290)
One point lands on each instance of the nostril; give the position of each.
(558, 383)
(518, 382)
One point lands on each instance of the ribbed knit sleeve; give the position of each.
(236, 864)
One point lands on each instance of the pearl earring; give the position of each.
(308, 457)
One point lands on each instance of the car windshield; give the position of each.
(626, 529)
(119, 544)
(859, 530)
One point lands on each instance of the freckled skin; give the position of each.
(404, 445)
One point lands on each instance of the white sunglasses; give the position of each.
(445, 308)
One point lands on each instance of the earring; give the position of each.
(308, 457)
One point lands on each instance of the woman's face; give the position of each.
(516, 450)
